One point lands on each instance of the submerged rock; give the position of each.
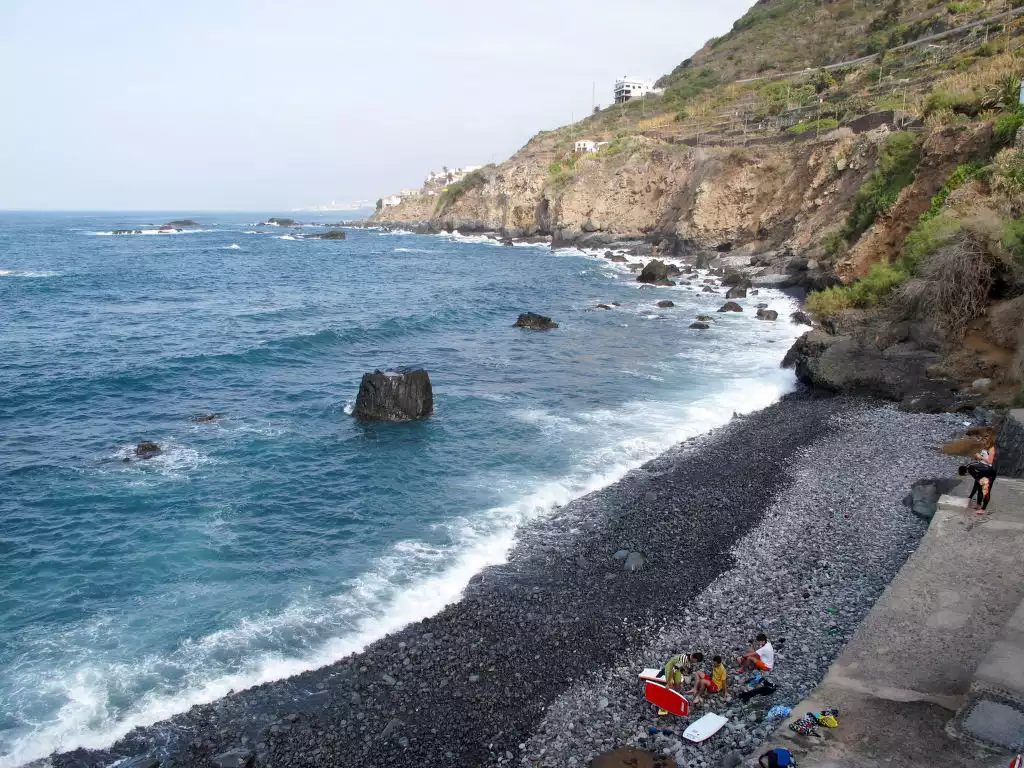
(275, 221)
(665, 304)
(182, 223)
(767, 314)
(535, 322)
(147, 449)
(699, 326)
(208, 418)
(730, 306)
(394, 396)
(334, 234)
(603, 306)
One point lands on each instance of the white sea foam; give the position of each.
(152, 232)
(26, 273)
(174, 461)
(413, 250)
(286, 237)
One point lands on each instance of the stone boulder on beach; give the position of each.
(736, 292)
(535, 322)
(394, 396)
(730, 306)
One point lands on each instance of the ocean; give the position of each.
(284, 534)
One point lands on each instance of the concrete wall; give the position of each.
(1010, 462)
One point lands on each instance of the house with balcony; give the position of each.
(584, 145)
(628, 88)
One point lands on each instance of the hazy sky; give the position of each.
(252, 105)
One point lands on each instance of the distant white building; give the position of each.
(585, 145)
(629, 88)
(390, 201)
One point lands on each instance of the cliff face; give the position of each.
(705, 197)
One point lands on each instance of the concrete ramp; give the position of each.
(934, 676)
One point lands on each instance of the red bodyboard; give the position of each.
(667, 699)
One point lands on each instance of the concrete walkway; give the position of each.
(946, 637)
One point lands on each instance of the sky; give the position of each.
(253, 105)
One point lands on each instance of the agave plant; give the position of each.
(1003, 93)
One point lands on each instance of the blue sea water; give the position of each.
(286, 535)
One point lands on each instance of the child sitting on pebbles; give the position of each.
(680, 666)
(717, 683)
(760, 657)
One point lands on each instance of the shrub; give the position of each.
(1004, 131)
(1006, 322)
(953, 286)
(454, 191)
(825, 124)
(1008, 178)
(868, 292)
(957, 179)
(896, 164)
(1013, 239)
(929, 235)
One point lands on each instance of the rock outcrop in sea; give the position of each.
(394, 396)
(535, 322)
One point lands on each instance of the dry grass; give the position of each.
(1006, 323)
(1008, 179)
(655, 122)
(986, 74)
(952, 286)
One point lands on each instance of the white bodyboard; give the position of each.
(705, 728)
(654, 675)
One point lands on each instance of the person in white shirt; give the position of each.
(761, 657)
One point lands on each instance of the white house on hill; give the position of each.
(584, 145)
(631, 88)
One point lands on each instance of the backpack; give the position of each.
(779, 758)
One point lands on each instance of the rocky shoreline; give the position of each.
(788, 519)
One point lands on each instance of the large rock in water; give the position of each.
(147, 449)
(730, 306)
(535, 322)
(656, 271)
(394, 396)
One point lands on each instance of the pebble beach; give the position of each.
(788, 521)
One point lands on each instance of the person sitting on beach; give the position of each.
(715, 684)
(761, 656)
(984, 475)
(679, 666)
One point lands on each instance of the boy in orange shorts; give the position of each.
(714, 684)
(761, 657)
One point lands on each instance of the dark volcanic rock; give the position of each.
(665, 304)
(730, 306)
(736, 292)
(182, 223)
(705, 318)
(276, 221)
(147, 450)
(603, 306)
(208, 418)
(656, 271)
(854, 364)
(401, 396)
(1010, 443)
(534, 322)
(334, 234)
(699, 326)
(736, 279)
(767, 314)
(616, 258)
